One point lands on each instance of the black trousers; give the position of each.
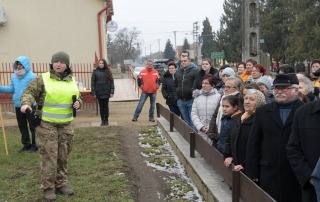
(104, 108)
(23, 121)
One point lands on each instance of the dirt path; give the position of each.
(149, 183)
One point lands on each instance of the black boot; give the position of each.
(106, 121)
(102, 123)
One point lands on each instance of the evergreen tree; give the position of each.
(304, 39)
(274, 20)
(169, 52)
(186, 45)
(229, 35)
(207, 39)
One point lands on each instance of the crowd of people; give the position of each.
(268, 128)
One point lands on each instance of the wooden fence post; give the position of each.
(235, 186)
(192, 144)
(171, 121)
(158, 110)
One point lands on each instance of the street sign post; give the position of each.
(217, 55)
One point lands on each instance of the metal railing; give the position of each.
(242, 187)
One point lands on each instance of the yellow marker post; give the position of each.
(4, 134)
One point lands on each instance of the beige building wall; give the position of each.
(39, 28)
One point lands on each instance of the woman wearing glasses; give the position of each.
(232, 86)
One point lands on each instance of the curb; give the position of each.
(209, 183)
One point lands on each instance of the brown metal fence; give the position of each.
(242, 187)
(82, 72)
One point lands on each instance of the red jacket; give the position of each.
(148, 80)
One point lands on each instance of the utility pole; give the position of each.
(150, 49)
(145, 51)
(175, 42)
(159, 45)
(251, 30)
(195, 40)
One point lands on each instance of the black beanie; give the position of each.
(62, 57)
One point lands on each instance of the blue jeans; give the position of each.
(185, 110)
(175, 109)
(142, 100)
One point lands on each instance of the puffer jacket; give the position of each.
(226, 124)
(168, 90)
(183, 82)
(100, 85)
(17, 85)
(204, 105)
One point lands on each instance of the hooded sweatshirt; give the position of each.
(17, 85)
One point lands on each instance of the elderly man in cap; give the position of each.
(266, 160)
(57, 94)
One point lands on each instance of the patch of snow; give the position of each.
(174, 168)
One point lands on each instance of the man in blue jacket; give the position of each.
(19, 81)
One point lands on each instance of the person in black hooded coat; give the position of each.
(168, 90)
(102, 87)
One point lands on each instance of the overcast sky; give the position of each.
(157, 19)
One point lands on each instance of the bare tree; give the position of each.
(124, 45)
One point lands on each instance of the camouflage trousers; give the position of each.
(55, 144)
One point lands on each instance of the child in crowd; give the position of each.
(230, 108)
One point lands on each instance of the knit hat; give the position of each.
(228, 71)
(260, 98)
(62, 57)
(265, 81)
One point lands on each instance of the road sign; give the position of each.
(112, 26)
(217, 55)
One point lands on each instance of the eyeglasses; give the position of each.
(225, 75)
(228, 87)
(282, 88)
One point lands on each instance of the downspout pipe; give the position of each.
(99, 26)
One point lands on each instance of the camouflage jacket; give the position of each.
(36, 90)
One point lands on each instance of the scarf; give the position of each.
(245, 115)
(20, 73)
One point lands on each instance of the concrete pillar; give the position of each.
(250, 30)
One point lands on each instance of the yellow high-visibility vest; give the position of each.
(57, 106)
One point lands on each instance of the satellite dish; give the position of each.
(112, 26)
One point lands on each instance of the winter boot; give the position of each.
(65, 190)
(49, 195)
